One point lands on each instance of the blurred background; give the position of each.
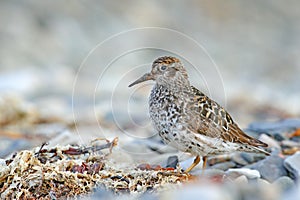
(55, 53)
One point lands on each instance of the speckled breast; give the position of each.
(166, 113)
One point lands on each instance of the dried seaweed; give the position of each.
(68, 171)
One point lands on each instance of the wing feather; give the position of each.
(212, 120)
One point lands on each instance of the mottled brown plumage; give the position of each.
(187, 119)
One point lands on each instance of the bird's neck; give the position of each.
(177, 88)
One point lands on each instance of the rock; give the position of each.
(290, 143)
(292, 164)
(172, 161)
(200, 190)
(237, 158)
(251, 174)
(292, 194)
(158, 146)
(101, 193)
(223, 166)
(272, 128)
(147, 196)
(284, 183)
(241, 180)
(270, 141)
(270, 168)
(7, 146)
(262, 182)
(252, 157)
(278, 137)
(209, 172)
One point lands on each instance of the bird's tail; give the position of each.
(260, 150)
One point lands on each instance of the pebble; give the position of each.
(249, 157)
(292, 164)
(7, 146)
(262, 182)
(279, 137)
(224, 166)
(2, 163)
(158, 146)
(241, 180)
(249, 173)
(284, 183)
(237, 158)
(252, 157)
(270, 168)
(270, 141)
(101, 193)
(282, 126)
(290, 143)
(209, 172)
(172, 161)
(199, 191)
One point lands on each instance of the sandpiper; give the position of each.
(190, 121)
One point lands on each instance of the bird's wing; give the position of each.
(211, 119)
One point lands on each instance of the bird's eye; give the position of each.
(164, 67)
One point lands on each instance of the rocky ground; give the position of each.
(55, 165)
(71, 128)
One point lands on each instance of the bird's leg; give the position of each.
(204, 158)
(196, 161)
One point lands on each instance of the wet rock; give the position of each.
(284, 183)
(270, 168)
(224, 166)
(292, 164)
(172, 161)
(251, 174)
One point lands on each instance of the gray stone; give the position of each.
(224, 166)
(292, 164)
(201, 191)
(290, 143)
(208, 172)
(249, 173)
(269, 141)
(237, 158)
(272, 128)
(292, 194)
(241, 180)
(270, 168)
(172, 161)
(100, 193)
(284, 183)
(252, 157)
(262, 182)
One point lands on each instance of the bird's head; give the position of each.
(166, 71)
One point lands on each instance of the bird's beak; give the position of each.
(145, 77)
